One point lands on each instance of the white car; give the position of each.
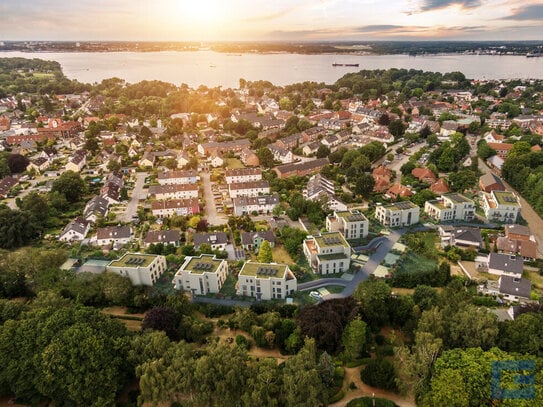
(315, 294)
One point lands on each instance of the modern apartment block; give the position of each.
(450, 207)
(328, 253)
(351, 224)
(266, 281)
(141, 269)
(201, 274)
(501, 206)
(398, 214)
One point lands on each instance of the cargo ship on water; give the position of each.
(336, 64)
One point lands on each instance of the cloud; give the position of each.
(377, 27)
(529, 12)
(429, 5)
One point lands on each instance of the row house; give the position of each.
(366, 115)
(399, 214)
(313, 134)
(280, 154)
(328, 253)
(290, 142)
(352, 224)
(140, 268)
(201, 275)
(178, 177)
(501, 206)
(186, 191)
(450, 207)
(266, 281)
(17, 139)
(322, 189)
(243, 175)
(311, 148)
(244, 205)
(175, 207)
(77, 161)
(235, 146)
(301, 169)
(254, 188)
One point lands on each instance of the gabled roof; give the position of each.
(162, 236)
(469, 235)
(114, 232)
(211, 238)
(439, 187)
(506, 263)
(525, 248)
(249, 237)
(423, 173)
(516, 286)
(489, 179)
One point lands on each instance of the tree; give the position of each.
(384, 119)
(364, 184)
(380, 373)
(354, 338)
(161, 319)
(302, 385)
(263, 386)
(265, 254)
(113, 165)
(17, 163)
(37, 206)
(323, 151)
(17, 228)
(374, 296)
(265, 157)
(397, 128)
(71, 185)
(425, 297)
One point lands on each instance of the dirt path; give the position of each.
(530, 216)
(352, 375)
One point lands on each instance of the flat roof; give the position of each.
(506, 198)
(205, 263)
(134, 260)
(400, 206)
(332, 256)
(351, 216)
(331, 239)
(263, 270)
(457, 198)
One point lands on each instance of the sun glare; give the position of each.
(205, 14)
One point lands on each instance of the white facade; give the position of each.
(262, 204)
(328, 253)
(174, 191)
(254, 188)
(201, 275)
(266, 281)
(450, 207)
(141, 269)
(351, 224)
(501, 206)
(243, 175)
(398, 214)
(178, 177)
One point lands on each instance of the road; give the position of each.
(137, 194)
(527, 212)
(397, 164)
(212, 217)
(10, 202)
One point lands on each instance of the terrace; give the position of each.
(333, 239)
(203, 264)
(506, 198)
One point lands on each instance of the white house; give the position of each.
(201, 275)
(178, 177)
(179, 207)
(281, 154)
(253, 188)
(450, 207)
(141, 269)
(352, 224)
(176, 191)
(501, 206)
(243, 175)
(397, 214)
(328, 253)
(244, 205)
(114, 235)
(500, 264)
(266, 281)
(76, 230)
(217, 240)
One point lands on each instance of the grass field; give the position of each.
(229, 287)
(280, 255)
(412, 263)
(234, 163)
(43, 75)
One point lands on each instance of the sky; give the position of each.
(271, 20)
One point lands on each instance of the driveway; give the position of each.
(137, 194)
(212, 217)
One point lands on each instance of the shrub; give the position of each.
(371, 402)
(242, 342)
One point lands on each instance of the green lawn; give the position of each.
(413, 262)
(234, 163)
(229, 287)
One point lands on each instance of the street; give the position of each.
(212, 217)
(137, 194)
